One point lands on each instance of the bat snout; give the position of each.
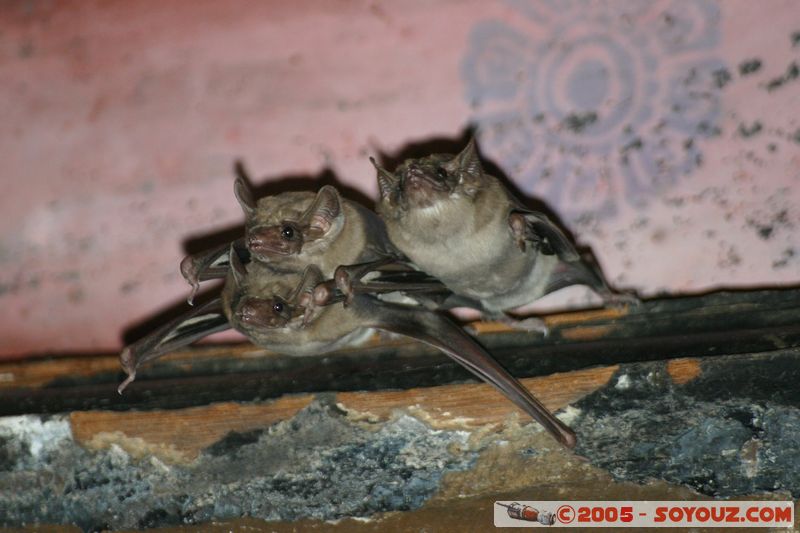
(256, 242)
(249, 313)
(266, 241)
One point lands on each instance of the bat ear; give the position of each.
(324, 211)
(468, 160)
(237, 268)
(242, 191)
(387, 183)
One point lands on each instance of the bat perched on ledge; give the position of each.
(281, 311)
(461, 225)
(294, 229)
(277, 311)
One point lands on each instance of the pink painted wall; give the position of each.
(666, 134)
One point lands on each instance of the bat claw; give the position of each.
(125, 383)
(195, 288)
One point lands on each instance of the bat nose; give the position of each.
(246, 314)
(255, 241)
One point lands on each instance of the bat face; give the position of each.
(290, 223)
(273, 312)
(285, 238)
(261, 299)
(428, 181)
(277, 226)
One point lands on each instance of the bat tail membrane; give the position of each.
(199, 322)
(440, 333)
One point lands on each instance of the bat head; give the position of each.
(270, 313)
(288, 223)
(266, 299)
(424, 182)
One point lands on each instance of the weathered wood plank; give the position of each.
(180, 434)
(697, 326)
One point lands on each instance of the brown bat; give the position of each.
(292, 321)
(294, 229)
(302, 314)
(459, 224)
(229, 310)
(260, 302)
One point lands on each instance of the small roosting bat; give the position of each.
(461, 225)
(292, 230)
(301, 315)
(282, 323)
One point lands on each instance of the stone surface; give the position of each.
(725, 428)
(730, 432)
(317, 465)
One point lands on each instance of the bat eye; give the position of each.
(287, 232)
(441, 172)
(277, 307)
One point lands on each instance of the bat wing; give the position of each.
(199, 322)
(401, 277)
(438, 331)
(395, 277)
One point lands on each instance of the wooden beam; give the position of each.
(179, 435)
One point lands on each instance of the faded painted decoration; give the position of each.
(593, 104)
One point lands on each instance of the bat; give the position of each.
(462, 226)
(252, 293)
(287, 320)
(294, 229)
(283, 312)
